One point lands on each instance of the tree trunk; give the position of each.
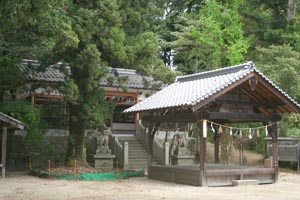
(76, 140)
(291, 10)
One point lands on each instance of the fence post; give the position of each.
(115, 151)
(166, 153)
(125, 155)
(30, 166)
(49, 169)
(75, 171)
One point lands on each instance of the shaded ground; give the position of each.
(22, 186)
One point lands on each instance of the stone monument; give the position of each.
(103, 157)
(181, 154)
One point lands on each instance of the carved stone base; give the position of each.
(182, 160)
(104, 161)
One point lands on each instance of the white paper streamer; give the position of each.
(266, 130)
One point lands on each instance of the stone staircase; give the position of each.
(137, 153)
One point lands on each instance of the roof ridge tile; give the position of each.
(247, 65)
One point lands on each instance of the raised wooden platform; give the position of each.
(216, 174)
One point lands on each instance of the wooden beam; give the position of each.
(120, 93)
(251, 103)
(274, 136)
(242, 117)
(202, 154)
(278, 94)
(217, 142)
(231, 172)
(172, 116)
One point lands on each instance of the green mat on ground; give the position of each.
(89, 176)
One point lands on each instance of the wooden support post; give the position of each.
(75, 170)
(202, 151)
(3, 160)
(241, 154)
(32, 98)
(275, 150)
(216, 149)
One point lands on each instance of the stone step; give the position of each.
(137, 153)
(136, 164)
(144, 154)
(137, 159)
(244, 182)
(138, 150)
(134, 149)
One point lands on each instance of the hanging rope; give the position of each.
(238, 131)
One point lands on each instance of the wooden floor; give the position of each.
(216, 174)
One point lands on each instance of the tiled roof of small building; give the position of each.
(121, 77)
(190, 90)
(50, 74)
(129, 78)
(10, 121)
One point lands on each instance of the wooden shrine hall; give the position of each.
(237, 94)
(7, 122)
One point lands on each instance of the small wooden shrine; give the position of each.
(237, 94)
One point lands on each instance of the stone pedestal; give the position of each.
(182, 156)
(105, 162)
(182, 160)
(103, 158)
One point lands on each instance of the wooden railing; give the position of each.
(119, 150)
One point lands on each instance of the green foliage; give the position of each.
(166, 75)
(30, 28)
(23, 111)
(11, 75)
(35, 128)
(290, 126)
(212, 39)
(258, 144)
(70, 90)
(280, 63)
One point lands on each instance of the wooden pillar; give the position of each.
(202, 150)
(217, 147)
(32, 98)
(274, 136)
(3, 160)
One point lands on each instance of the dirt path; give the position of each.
(21, 186)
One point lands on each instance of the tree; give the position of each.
(281, 64)
(271, 23)
(31, 29)
(106, 38)
(168, 23)
(28, 29)
(211, 39)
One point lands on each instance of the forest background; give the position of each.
(162, 38)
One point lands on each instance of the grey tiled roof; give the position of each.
(50, 74)
(189, 90)
(10, 121)
(132, 79)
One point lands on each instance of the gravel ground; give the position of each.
(22, 186)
